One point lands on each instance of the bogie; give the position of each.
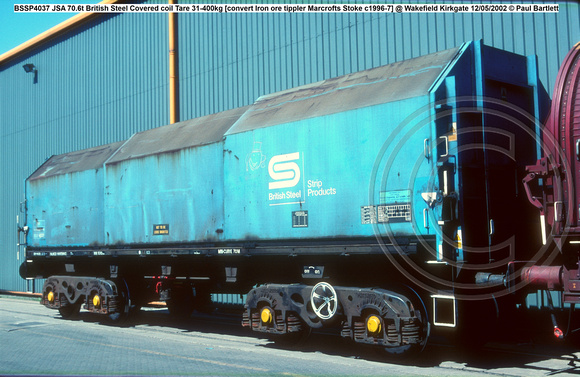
(366, 315)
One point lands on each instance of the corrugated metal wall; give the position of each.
(97, 85)
(109, 78)
(229, 60)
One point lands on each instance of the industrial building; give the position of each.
(99, 78)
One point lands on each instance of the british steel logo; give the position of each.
(284, 170)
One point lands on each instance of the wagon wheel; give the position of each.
(419, 328)
(298, 330)
(182, 303)
(124, 306)
(70, 311)
(295, 339)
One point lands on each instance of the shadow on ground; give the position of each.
(518, 349)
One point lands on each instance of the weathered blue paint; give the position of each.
(335, 155)
(351, 157)
(65, 199)
(291, 155)
(338, 152)
(66, 210)
(172, 189)
(165, 185)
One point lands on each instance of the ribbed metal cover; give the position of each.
(86, 159)
(393, 82)
(177, 136)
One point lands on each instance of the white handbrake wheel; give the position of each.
(324, 300)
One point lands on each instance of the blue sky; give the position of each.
(17, 28)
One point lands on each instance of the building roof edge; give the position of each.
(49, 34)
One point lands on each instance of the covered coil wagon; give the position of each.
(386, 203)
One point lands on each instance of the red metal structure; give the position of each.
(557, 174)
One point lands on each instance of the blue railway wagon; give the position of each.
(371, 202)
